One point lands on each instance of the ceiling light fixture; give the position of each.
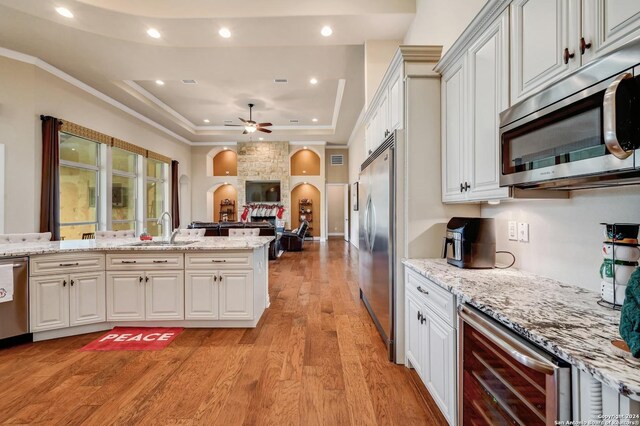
(224, 32)
(64, 12)
(206, 120)
(261, 139)
(225, 148)
(250, 129)
(152, 32)
(313, 81)
(326, 31)
(315, 120)
(160, 82)
(304, 147)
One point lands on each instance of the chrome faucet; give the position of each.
(175, 232)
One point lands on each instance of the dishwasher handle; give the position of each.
(518, 351)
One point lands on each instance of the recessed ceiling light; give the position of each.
(225, 148)
(326, 31)
(64, 12)
(261, 139)
(304, 147)
(313, 81)
(315, 120)
(224, 32)
(206, 120)
(153, 33)
(160, 82)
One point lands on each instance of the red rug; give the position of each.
(134, 339)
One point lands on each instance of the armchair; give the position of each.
(292, 241)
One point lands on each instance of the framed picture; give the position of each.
(354, 196)
(120, 196)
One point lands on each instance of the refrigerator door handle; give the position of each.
(372, 233)
(366, 221)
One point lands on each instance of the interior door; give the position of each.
(347, 224)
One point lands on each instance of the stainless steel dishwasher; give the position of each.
(14, 315)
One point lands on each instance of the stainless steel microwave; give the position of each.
(581, 132)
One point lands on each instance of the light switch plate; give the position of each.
(523, 232)
(513, 230)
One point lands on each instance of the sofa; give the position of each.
(222, 230)
(293, 240)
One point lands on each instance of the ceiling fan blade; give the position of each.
(242, 119)
(264, 124)
(245, 133)
(234, 125)
(260, 129)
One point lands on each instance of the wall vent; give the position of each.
(189, 82)
(281, 80)
(294, 121)
(337, 159)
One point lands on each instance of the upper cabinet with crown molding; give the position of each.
(385, 113)
(552, 38)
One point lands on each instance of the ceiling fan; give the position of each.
(251, 126)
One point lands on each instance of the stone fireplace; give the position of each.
(264, 161)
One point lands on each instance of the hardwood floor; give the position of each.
(315, 358)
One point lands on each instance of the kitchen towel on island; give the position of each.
(6, 283)
(630, 316)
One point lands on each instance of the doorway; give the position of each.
(338, 210)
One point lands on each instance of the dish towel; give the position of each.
(630, 316)
(6, 283)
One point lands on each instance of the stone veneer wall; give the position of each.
(264, 161)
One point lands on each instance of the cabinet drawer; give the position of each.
(221, 260)
(435, 297)
(66, 263)
(144, 261)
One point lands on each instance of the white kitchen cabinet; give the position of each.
(49, 302)
(488, 92)
(607, 25)
(236, 294)
(395, 102)
(453, 134)
(201, 295)
(86, 298)
(544, 38)
(164, 295)
(145, 295)
(430, 340)
(59, 301)
(125, 296)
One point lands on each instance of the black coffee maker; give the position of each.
(472, 241)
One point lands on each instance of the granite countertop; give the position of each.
(563, 319)
(132, 244)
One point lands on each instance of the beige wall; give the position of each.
(335, 209)
(337, 174)
(26, 92)
(565, 235)
(441, 22)
(307, 191)
(377, 57)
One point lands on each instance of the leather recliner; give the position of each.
(293, 241)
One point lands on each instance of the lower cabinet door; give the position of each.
(125, 296)
(415, 336)
(49, 302)
(441, 360)
(236, 294)
(86, 298)
(201, 295)
(165, 295)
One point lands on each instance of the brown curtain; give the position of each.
(50, 195)
(175, 204)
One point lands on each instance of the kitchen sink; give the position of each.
(161, 243)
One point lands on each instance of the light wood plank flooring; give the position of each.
(315, 358)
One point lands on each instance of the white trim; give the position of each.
(336, 234)
(337, 147)
(135, 86)
(11, 54)
(308, 143)
(2, 181)
(336, 107)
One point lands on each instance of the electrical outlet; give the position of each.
(523, 232)
(513, 230)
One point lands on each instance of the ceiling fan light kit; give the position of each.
(251, 126)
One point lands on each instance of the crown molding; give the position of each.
(22, 57)
(309, 143)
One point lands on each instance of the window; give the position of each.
(123, 190)
(79, 183)
(156, 194)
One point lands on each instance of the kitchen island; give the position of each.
(85, 286)
(564, 320)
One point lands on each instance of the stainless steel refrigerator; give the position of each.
(376, 236)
